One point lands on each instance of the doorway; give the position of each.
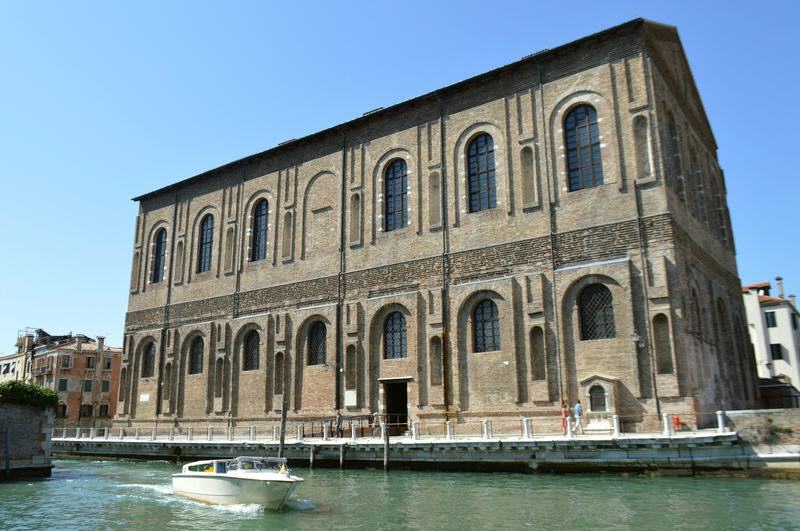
(396, 395)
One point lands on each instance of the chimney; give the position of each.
(793, 298)
(779, 284)
(78, 342)
(100, 343)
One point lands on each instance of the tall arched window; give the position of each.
(196, 356)
(317, 338)
(480, 167)
(159, 255)
(395, 340)
(149, 361)
(395, 197)
(258, 248)
(596, 308)
(205, 243)
(252, 344)
(582, 140)
(486, 327)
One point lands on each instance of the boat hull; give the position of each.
(227, 490)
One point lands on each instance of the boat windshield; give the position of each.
(257, 465)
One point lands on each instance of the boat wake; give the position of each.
(300, 504)
(161, 489)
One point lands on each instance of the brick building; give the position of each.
(554, 229)
(84, 371)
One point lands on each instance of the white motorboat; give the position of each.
(266, 481)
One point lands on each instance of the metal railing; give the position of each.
(400, 426)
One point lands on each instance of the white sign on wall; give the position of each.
(144, 397)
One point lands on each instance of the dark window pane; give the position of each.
(258, 249)
(486, 327)
(252, 345)
(317, 339)
(395, 340)
(596, 311)
(159, 255)
(396, 196)
(582, 143)
(205, 244)
(480, 164)
(196, 356)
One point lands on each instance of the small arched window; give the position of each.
(196, 356)
(395, 340)
(317, 338)
(486, 327)
(480, 167)
(596, 308)
(258, 248)
(159, 255)
(395, 197)
(205, 243)
(149, 361)
(252, 344)
(61, 410)
(582, 140)
(597, 398)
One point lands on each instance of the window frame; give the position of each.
(159, 256)
(486, 336)
(66, 385)
(205, 244)
(395, 336)
(604, 326)
(772, 348)
(89, 384)
(316, 344)
(481, 183)
(259, 239)
(191, 366)
(771, 319)
(593, 146)
(105, 386)
(395, 195)
(249, 339)
(148, 367)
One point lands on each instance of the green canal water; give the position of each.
(137, 495)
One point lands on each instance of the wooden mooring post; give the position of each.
(385, 431)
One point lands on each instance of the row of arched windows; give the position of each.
(584, 169)
(595, 307)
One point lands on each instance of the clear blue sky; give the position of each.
(102, 101)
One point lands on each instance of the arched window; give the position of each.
(395, 197)
(196, 356)
(159, 255)
(596, 312)
(395, 340)
(597, 398)
(486, 327)
(538, 354)
(279, 373)
(252, 344)
(258, 248)
(205, 243)
(61, 410)
(149, 361)
(480, 167)
(582, 140)
(350, 368)
(317, 338)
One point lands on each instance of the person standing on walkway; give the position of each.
(376, 424)
(564, 415)
(338, 424)
(577, 413)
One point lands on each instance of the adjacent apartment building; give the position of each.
(84, 372)
(555, 229)
(773, 325)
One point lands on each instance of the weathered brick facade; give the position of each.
(655, 233)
